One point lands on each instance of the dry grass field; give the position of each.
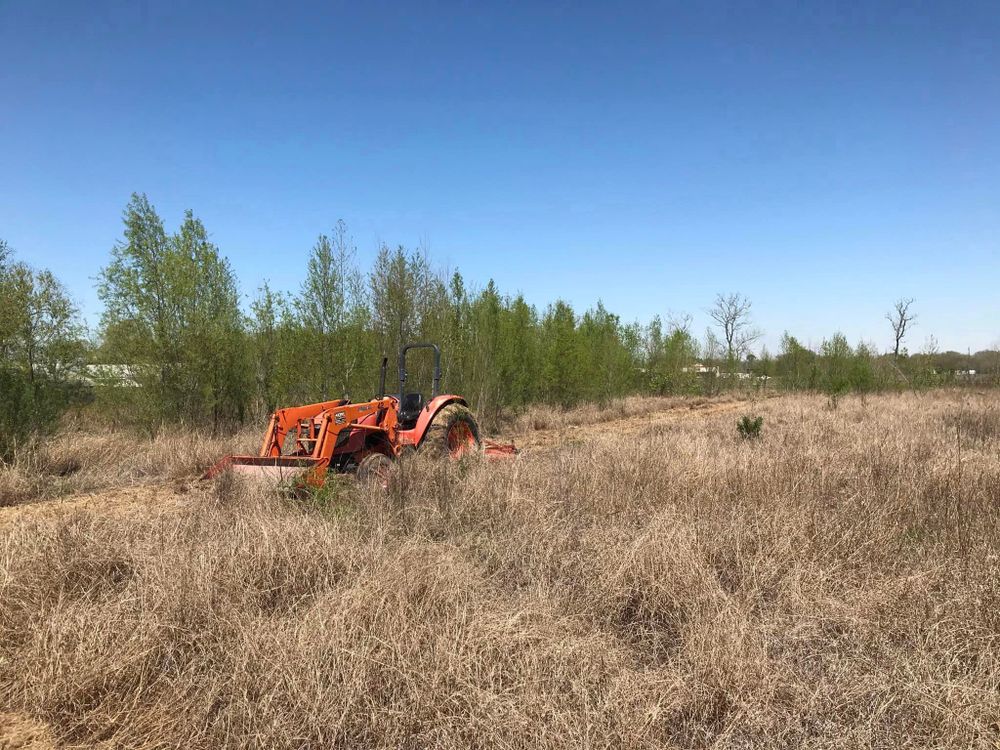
(638, 577)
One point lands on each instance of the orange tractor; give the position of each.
(303, 443)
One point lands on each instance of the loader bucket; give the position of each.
(278, 470)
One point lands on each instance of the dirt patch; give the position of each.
(19, 732)
(546, 438)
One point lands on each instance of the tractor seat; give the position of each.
(410, 405)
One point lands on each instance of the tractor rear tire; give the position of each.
(453, 432)
(374, 469)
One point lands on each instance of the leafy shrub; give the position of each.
(749, 427)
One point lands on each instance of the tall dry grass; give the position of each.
(834, 584)
(547, 417)
(83, 461)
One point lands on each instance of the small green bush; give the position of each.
(749, 427)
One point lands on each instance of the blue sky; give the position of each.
(822, 160)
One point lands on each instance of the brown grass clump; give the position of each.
(834, 584)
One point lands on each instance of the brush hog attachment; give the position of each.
(494, 450)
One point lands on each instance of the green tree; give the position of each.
(836, 360)
(668, 358)
(396, 281)
(863, 375)
(331, 309)
(560, 372)
(520, 353)
(409, 302)
(139, 325)
(42, 348)
(171, 312)
(266, 312)
(456, 341)
(485, 368)
(214, 345)
(607, 366)
(796, 365)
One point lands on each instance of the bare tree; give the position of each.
(711, 348)
(731, 313)
(679, 322)
(901, 320)
(931, 347)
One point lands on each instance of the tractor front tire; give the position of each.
(453, 432)
(374, 469)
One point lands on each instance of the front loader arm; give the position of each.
(284, 420)
(349, 417)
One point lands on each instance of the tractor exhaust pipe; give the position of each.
(381, 378)
(380, 413)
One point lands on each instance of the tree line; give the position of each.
(175, 342)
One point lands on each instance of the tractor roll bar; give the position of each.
(436, 385)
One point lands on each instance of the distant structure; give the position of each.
(118, 376)
(699, 369)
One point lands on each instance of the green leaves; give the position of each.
(331, 311)
(668, 358)
(41, 351)
(749, 427)
(172, 312)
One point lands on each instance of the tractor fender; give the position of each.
(428, 413)
(378, 442)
